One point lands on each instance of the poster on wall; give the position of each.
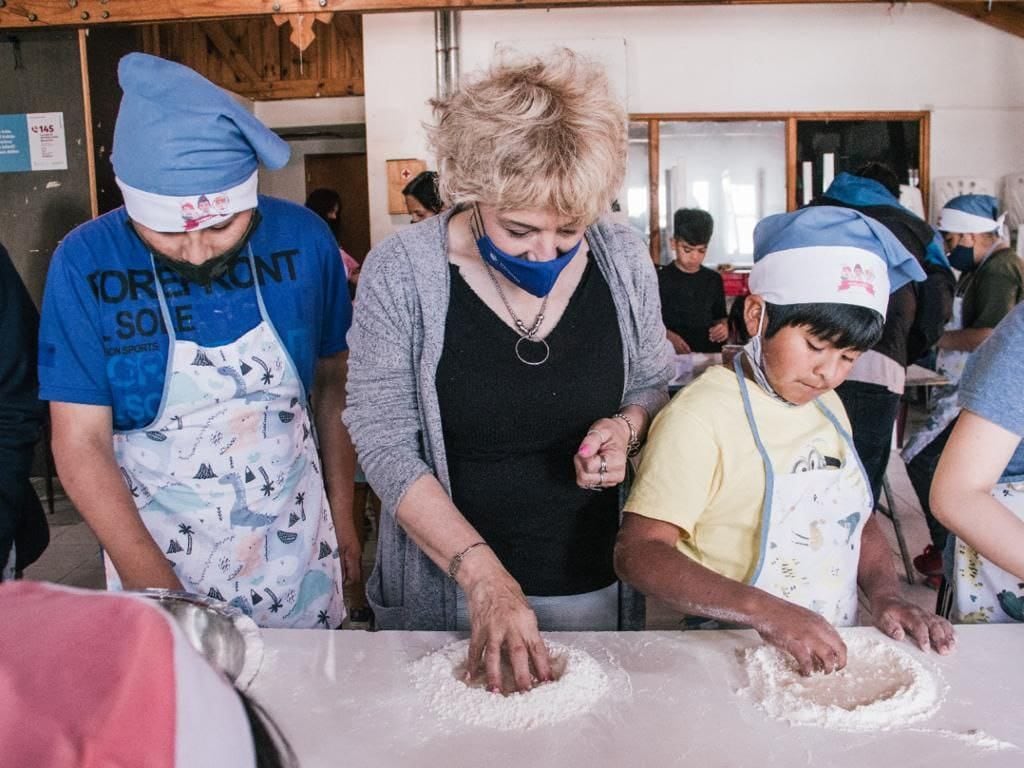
(33, 142)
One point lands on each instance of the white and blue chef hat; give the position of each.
(971, 214)
(832, 255)
(185, 152)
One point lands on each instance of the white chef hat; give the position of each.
(831, 255)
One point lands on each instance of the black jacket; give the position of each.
(21, 417)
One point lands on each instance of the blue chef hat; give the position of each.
(185, 152)
(828, 254)
(971, 214)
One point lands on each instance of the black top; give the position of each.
(21, 413)
(22, 522)
(511, 431)
(691, 303)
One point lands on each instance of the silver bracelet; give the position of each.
(633, 445)
(455, 563)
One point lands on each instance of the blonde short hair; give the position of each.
(540, 133)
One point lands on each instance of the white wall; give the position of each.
(292, 113)
(744, 58)
(398, 74)
(290, 182)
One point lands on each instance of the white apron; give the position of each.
(228, 483)
(944, 406)
(983, 592)
(811, 526)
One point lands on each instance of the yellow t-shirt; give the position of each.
(701, 470)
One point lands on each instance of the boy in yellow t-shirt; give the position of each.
(750, 505)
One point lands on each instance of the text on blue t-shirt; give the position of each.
(103, 339)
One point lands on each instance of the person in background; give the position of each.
(750, 505)
(326, 203)
(23, 530)
(506, 357)
(193, 359)
(978, 490)
(991, 283)
(914, 318)
(692, 296)
(93, 680)
(422, 198)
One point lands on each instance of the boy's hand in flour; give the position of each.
(502, 624)
(803, 634)
(897, 618)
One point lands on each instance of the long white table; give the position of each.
(345, 699)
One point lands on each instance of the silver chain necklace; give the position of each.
(528, 335)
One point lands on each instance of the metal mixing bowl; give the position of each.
(228, 638)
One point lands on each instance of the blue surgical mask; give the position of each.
(535, 277)
(961, 258)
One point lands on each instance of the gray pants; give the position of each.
(596, 611)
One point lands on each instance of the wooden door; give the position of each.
(346, 174)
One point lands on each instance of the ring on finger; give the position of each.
(602, 470)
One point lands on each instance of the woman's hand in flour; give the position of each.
(803, 634)
(503, 624)
(898, 618)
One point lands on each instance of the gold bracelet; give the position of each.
(633, 444)
(456, 561)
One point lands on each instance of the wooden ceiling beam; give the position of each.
(240, 65)
(21, 14)
(296, 89)
(1007, 16)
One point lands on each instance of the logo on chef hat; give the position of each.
(857, 278)
(221, 203)
(203, 210)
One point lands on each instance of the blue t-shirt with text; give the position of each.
(102, 335)
(989, 386)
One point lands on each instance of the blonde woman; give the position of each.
(506, 357)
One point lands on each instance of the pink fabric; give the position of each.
(350, 263)
(86, 680)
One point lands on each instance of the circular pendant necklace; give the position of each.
(529, 349)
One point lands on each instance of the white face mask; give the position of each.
(755, 355)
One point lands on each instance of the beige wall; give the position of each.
(733, 59)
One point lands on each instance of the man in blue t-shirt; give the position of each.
(192, 346)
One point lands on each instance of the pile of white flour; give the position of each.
(580, 683)
(881, 687)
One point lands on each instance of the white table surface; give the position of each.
(919, 376)
(344, 698)
(690, 365)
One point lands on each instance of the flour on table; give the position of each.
(580, 683)
(974, 738)
(881, 687)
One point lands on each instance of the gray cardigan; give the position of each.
(395, 344)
